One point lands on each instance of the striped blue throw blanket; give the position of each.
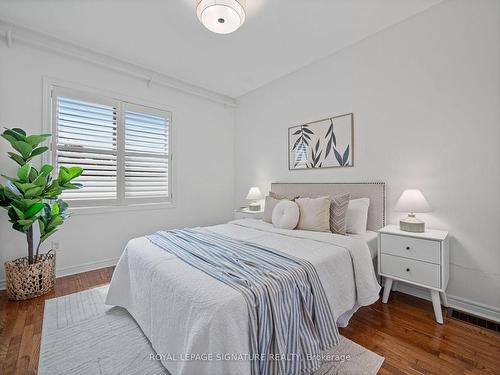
(290, 318)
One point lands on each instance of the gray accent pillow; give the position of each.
(338, 211)
(272, 200)
(268, 208)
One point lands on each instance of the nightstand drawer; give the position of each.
(414, 248)
(411, 270)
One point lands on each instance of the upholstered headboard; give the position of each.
(373, 190)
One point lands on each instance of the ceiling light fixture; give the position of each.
(221, 16)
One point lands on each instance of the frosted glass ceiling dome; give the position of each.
(221, 16)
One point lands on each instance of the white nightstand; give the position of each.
(421, 259)
(245, 213)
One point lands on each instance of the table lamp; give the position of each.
(254, 195)
(412, 201)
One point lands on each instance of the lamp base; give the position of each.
(412, 224)
(254, 207)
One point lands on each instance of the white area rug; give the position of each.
(83, 336)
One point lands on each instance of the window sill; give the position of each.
(112, 209)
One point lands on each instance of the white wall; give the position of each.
(426, 97)
(202, 152)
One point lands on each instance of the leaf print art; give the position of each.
(324, 143)
(316, 156)
(344, 158)
(332, 141)
(302, 144)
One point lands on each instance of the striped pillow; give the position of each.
(338, 210)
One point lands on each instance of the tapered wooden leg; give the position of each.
(387, 289)
(436, 303)
(444, 299)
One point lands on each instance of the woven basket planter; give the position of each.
(26, 281)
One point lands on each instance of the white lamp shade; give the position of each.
(221, 16)
(412, 201)
(254, 194)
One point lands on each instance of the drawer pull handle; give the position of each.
(407, 270)
(407, 247)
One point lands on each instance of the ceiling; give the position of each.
(278, 36)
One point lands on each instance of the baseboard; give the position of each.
(72, 270)
(475, 308)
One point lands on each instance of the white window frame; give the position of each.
(52, 90)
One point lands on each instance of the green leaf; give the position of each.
(24, 187)
(19, 131)
(62, 205)
(74, 172)
(70, 186)
(55, 209)
(33, 174)
(25, 223)
(23, 173)
(17, 158)
(19, 203)
(12, 214)
(46, 169)
(9, 138)
(41, 180)
(33, 210)
(10, 194)
(35, 140)
(64, 175)
(11, 185)
(30, 202)
(33, 192)
(38, 151)
(23, 147)
(48, 234)
(53, 190)
(19, 213)
(41, 225)
(19, 228)
(57, 220)
(13, 133)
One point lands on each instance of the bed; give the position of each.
(199, 325)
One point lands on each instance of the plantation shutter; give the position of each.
(147, 154)
(123, 148)
(86, 136)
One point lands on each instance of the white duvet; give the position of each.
(186, 313)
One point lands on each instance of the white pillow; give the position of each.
(285, 214)
(314, 214)
(357, 215)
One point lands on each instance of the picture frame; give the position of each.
(325, 143)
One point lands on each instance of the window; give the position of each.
(123, 148)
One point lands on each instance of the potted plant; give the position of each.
(33, 197)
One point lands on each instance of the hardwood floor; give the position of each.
(403, 331)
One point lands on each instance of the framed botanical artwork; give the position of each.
(326, 143)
